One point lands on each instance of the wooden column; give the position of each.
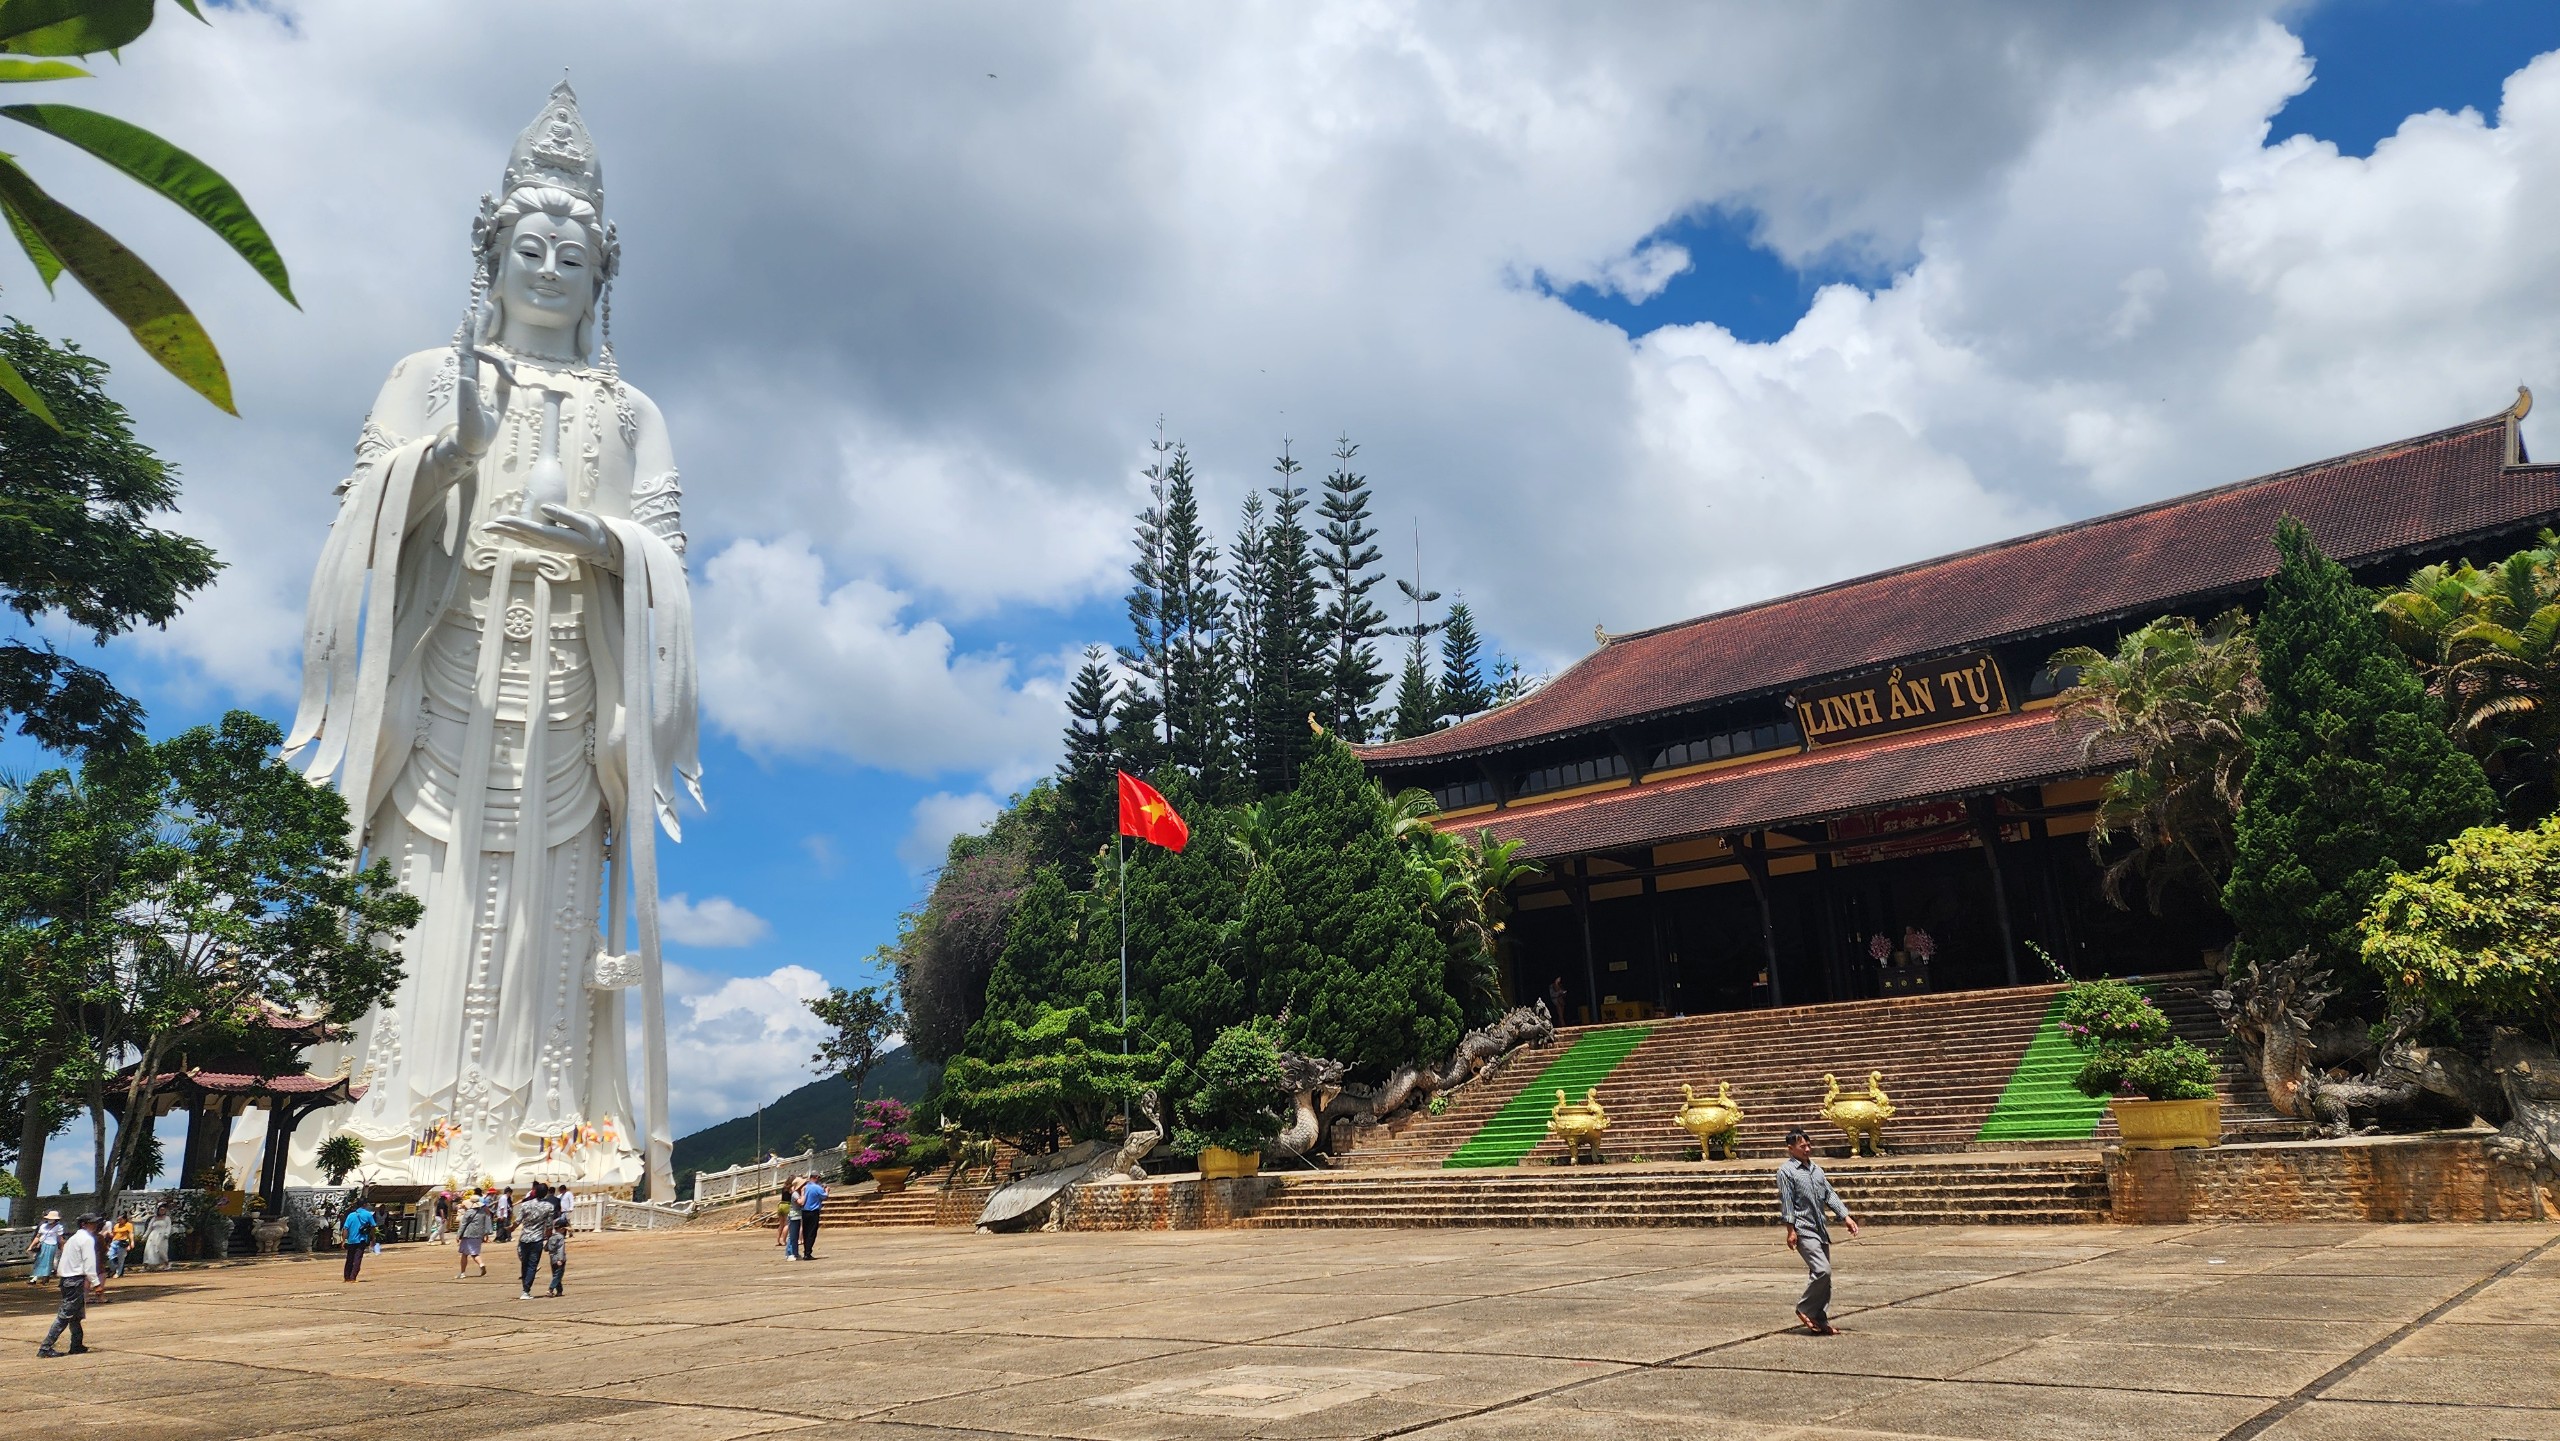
(1582, 907)
(1754, 851)
(1986, 829)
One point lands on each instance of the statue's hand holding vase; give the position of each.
(577, 534)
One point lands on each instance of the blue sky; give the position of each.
(1566, 282)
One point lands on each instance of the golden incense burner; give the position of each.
(1711, 1121)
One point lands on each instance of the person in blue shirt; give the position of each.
(813, 1194)
(358, 1229)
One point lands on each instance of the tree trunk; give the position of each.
(32, 1135)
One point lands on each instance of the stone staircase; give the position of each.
(2048, 1187)
(919, 1205)
(1946, 1059)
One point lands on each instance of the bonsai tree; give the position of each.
(1237, 1098)
(338, 1155)
(2125, 1044)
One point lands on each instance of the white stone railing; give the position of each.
(742, 1183)
(605, 1213)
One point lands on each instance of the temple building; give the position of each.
(1860, 790)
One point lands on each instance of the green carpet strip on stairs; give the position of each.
(2039, 1103)
(1516, 1129)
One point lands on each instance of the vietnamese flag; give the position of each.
(1146, 814)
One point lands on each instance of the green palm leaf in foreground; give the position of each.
(131, 291)
(57, 238)
(192, 184)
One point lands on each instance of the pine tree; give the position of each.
(1088, 793)
(1289, 680)
(1152, 611)
(1052, 956)
(2352, 775)
(1463, 691)
(1352, 622)
(1182, 916)
(1335, 930)
(1508, 683)
(1192, 619)
(1245, 607)
(1418, 707)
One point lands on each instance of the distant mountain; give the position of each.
(821, 1110)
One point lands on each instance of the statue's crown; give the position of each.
(555, 150)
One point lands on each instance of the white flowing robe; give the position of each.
(473, 699)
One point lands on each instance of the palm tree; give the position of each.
(2170, 700)
(2487, 643)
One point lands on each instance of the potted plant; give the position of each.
(2125, 1045)
(338, 1155)
(879, 1143)
(1235, 1105)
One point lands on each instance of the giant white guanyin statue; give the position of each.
(498, 673)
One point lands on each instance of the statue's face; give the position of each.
(546, 274)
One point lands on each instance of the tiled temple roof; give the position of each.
(1973, 758)
(2423, 493)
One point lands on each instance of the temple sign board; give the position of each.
(1912, 695)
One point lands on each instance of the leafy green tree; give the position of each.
(1352, 622)
(216, 885)
(1062, 1075)
(1335, 926)
(77, 550)
(2175, 695)
(338, 1155)
(1463, 691)
(2487, 642)
(2352, 775)
(2476, 931)
(860, 1023)
(1467, 883)
(1290, 674)
(58, 239)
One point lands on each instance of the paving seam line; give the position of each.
(2311, 1391)
(1627, 1367)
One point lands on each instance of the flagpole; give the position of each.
(1120, 842)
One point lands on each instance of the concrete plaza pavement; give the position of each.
(2293, 1332)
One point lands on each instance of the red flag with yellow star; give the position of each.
(1146, 814)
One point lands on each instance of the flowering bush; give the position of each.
(880, 1135)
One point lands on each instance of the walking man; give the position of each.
(533, 1227)
(1803, 1193)
(813, 1194)
(78, 1270)
(357, 1230)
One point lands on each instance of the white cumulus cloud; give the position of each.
(736, 1042)
(714, 922)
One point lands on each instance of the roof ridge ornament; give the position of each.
(2514, 415)
(1602, 636)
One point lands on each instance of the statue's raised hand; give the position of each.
(562, 531)
(475, 423)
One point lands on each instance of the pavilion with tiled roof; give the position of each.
(217, 1090)
(1857, 789)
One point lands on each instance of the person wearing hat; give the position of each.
(46, 1244)
(469, 1234)
(81, 1280)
